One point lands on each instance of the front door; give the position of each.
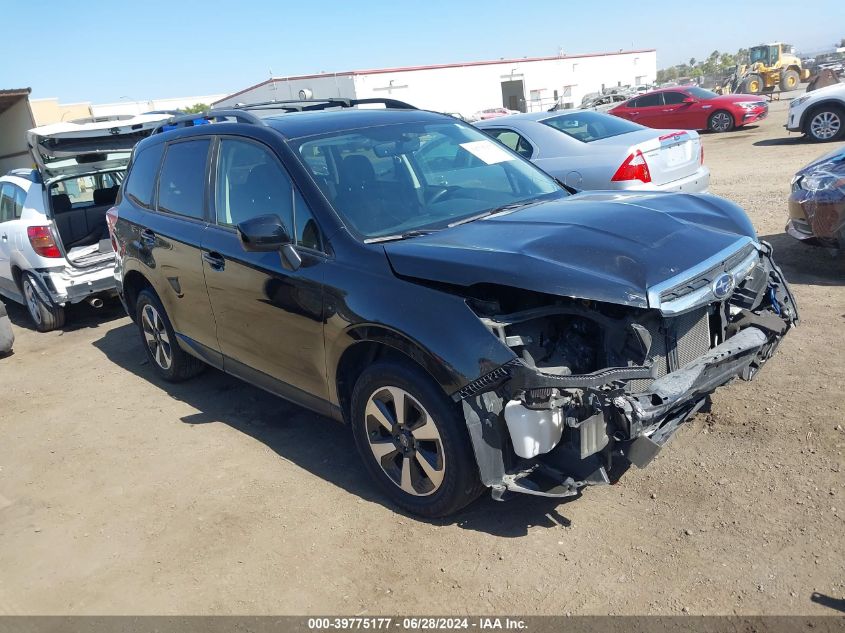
(269, 317)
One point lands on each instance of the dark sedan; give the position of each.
(817, 202)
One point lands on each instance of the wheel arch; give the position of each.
(374, 342)
(133, 283)
(813, 108)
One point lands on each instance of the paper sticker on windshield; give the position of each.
(488, 151)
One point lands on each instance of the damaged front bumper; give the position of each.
(597, 423)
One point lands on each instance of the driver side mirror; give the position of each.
(267, 233)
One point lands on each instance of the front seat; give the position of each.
(357, 195)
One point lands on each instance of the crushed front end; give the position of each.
(595, 387)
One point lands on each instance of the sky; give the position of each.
(128, 50)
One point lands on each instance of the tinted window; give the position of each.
(673, 98)
(7, 202)
(701, 93)
(142, 175)
(251, 182)
(591, 126)
(181, 186)
(514, 141)
(307, 231)
(649, 100)
(20, 196)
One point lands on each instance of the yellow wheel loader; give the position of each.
(770, 66)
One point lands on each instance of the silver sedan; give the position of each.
(592, 150)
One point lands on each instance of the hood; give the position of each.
(835, 157)
(604, 246)
(77, 148)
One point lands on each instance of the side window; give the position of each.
(673, 98)
(514, 141)
(20, 197)
(251, 182)
(181, 185)
(7, 202)
(307, 231)
(142, 175)
(649, 100)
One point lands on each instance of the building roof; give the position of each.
(399, 69)
(11, 96)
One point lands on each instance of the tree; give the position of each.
(196, 108)
(692, 61)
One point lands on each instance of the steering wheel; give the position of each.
(441, 195)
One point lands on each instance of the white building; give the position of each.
(527, 84)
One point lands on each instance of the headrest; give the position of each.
(61, 203)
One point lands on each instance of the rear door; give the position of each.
(269, 317)
(646, 110)
(7, 216)
(170, 240)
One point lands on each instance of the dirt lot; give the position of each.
(121, 494)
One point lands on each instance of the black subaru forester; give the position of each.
(475, 322)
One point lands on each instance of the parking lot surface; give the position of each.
(122, 494)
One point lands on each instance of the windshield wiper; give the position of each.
(487, 214)
(398, 236)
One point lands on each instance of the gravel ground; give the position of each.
(121, 494)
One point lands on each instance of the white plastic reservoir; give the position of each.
(533, 431)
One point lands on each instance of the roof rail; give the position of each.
(31, 175)
(306, 105)
(202, 118)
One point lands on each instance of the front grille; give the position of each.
(706, 278)
(675, 342)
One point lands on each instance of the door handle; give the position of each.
(4, 237)
(214, 260)
(148, 237)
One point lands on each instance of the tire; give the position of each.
(169, 360)
(720, 121)
(45, 315)
(789, 80)
(752, 85)
(825, 123)
(427, 465)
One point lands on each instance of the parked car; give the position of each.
(474, 323)
(693, 108)
(819, 114)
(817, 202)
(601, 103)
(54, 246)
(591, 150)
(7, 337)
(492, 113)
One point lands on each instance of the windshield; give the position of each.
(759, 54)
(394, 179)
(591, 126)
(701, 93)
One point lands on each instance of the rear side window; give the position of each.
(181, 185)
(512, 140)
(20, 197)
(648, 100)
(142, 175)
(7, 202)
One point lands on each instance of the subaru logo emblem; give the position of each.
(723, 285)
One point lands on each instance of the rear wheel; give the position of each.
(167, 358)
(826, 123)
(720, 121)
(45, 315)
(413, 440)
(789, 80)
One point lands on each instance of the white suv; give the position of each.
(54, 242)
(819, 114)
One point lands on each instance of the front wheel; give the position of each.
(413, 440)
(167, 358)
(720, 121)
(826, 123)
(45, 315)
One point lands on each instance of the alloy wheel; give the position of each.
(405, 441)
(721, 122)
(32, 301)
(825, 125)
(156, 338)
